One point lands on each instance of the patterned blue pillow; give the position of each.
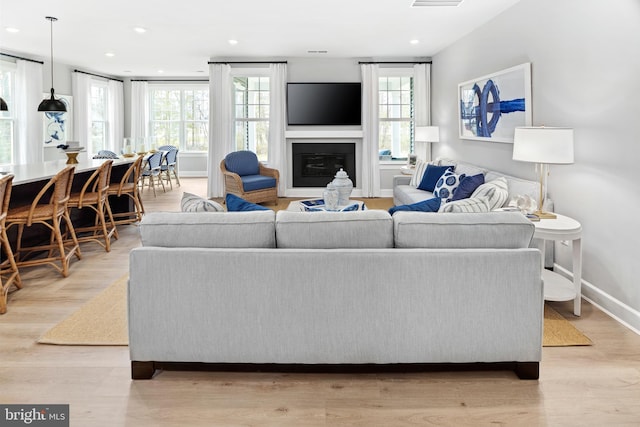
(238, 204)
(429, 205)
(447, 185)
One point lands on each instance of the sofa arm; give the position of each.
(401, 180)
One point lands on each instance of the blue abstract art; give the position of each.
(492, 106)
(57, 125)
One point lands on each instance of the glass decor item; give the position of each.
(344, 186)
(331, 196)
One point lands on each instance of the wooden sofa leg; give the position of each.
(142, 370)
(528, 370)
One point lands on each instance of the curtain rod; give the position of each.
(394, 62)
(98, 75)
(175, 80)
(247, 62)
(20, 57)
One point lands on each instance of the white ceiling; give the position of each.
(183, 35)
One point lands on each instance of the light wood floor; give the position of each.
(579, 386)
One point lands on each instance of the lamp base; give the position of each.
(72, 158)
(545, 215)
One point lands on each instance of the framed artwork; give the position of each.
(492, 106)
(58, 128)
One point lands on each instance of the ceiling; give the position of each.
(182, 36)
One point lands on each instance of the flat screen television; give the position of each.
(324, 104)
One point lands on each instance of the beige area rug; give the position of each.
(559, 332)
(103, 321)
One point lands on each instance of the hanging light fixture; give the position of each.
(52, 104)
(3, 105)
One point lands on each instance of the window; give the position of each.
(7, 118)
(251, 106)
(179, 116)
(99, 118)
(395, 99)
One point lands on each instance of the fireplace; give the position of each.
(315, 164)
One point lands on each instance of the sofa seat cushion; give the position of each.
(495, 230)
(407, 194)
(257, 182)
(209, 229)
(333, 230)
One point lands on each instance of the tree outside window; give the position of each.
(180, 117)
(251, 107)
(396, 115)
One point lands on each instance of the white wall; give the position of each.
(585, 75)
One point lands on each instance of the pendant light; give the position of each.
(52, 104)
(3, 105)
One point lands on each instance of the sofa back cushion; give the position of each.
(209, 229)
(331, 230)
(495, 230)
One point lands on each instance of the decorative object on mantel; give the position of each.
(344, 186)
(492, 106)
(52, 104)
(424, 135)
(543, 146)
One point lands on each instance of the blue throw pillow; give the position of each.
(429, 205)
(431, 176)
(467, 186)
(447, 185)
(238, 204)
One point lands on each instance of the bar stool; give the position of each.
(93, 195)
(128, 186)
(50, 215)
(9, 274)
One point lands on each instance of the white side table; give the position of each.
(557, 287)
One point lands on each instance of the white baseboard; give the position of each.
(621, 312)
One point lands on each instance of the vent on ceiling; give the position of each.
(425, 3)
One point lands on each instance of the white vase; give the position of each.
(330, 196)
(344, 186)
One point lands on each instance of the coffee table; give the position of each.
(297, 206)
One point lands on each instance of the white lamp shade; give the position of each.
(427, 134)
(543, 145)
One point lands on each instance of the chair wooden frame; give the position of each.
(50, 215)
(152, 172)
(233, 185)
(128, 186)
(9, 273)
(169, 165)
(94, 195)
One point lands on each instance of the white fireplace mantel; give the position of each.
(300, 134)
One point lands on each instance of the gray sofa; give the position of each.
(329, 289)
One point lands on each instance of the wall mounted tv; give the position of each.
(324, 104)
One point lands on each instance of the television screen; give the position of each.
(324, 104)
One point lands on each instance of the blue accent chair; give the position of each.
(249, 179)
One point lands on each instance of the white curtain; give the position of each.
(370, 182)
(81, 86)
(29, 121)
(422, 101)
(139, 112)
(220, 124)
(277, 120)
(115, 102)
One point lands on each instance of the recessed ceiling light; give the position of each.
(110, 54)
(140, 30)
(12, 30)
(160, 71)
(233, 42)
(414, 41)
(127, 71)
(427, 3)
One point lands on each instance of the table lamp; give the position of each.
(544, 146)
(426, 134)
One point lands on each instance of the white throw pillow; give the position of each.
(192, 203)
(447, 185)
(496, 192)
(478, 204)
(418, 172)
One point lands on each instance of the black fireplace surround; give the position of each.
(316, 164)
